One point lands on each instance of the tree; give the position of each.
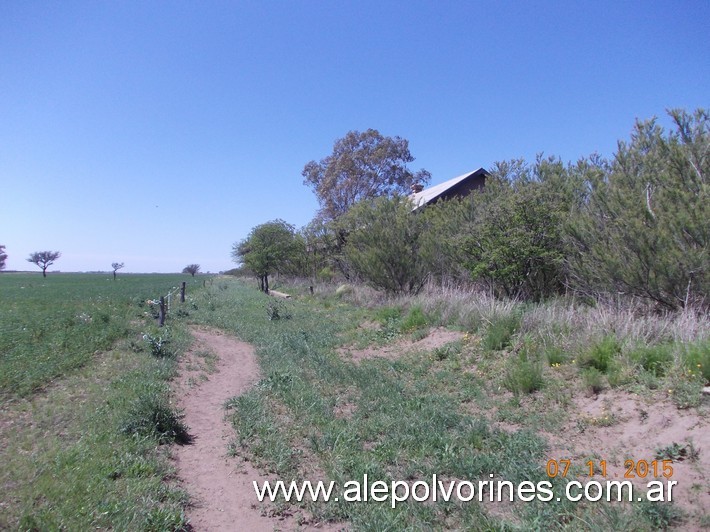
(3, 257)
(44, 259)
(644, 231)
(363, 165)
(269, 248)
(116, 266)
(516, 242)
(384, 246)
(192, 269)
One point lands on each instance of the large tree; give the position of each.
(270, 247)
(3, 257)
(192, 269)
(44, 259)
(363, 165)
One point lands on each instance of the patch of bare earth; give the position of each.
(220, 486)
(436, 338)
(617, 426)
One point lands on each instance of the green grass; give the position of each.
(87, 399)
(51, 326)
(315, 415)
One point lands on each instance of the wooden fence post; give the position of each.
(161, 319)
(182, 292)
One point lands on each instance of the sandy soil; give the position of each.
(220, 486)
(436, 338)
(613, 426)
(638, 428)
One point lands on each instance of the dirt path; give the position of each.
(216, 369)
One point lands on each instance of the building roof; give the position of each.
(431, 194)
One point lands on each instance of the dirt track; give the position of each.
(220, 486)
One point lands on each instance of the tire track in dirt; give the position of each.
(220, 486)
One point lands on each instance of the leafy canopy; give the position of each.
(192, 269)
(363, 165)
(645, 231)
(384, 244)
(44, 259)
(270, 247)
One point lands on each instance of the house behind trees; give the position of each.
(458, 187)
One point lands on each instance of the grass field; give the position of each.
(86, 407)
(482, 404)
(85, 403)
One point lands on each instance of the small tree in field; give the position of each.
(269, 248)
(192, 269)
(3, 257)
(44, 259)
(116, 266)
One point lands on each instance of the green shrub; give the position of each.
(593, 379)
(555, 355)
(151, 415)
(686, 389)
(447, 351)
(524, 376)
(697, 359)
(660, 515)
(326, 274)
(601, 354)
(415, 319)
(500, 332)
(386, 314)
(654, 359)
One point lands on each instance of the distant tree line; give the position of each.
(636, 224)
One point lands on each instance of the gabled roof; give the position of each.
(431, 194)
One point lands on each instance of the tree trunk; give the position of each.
(44, 272)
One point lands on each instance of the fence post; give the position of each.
(161, 319)
(182, 292)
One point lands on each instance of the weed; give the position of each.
(659, 515)
(151, 415)
(593, 379)
(388, 314)
(158, 345)
(555, 356)
(162, 519)
(654, 359)
(685, 388)
(415, 319)
(277, 310)
(447, 351)
(678, 452)
(500, 332)
(524, 376)
(601, 354)
(697, 358)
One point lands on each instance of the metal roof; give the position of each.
(428, 195)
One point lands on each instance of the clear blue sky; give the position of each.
(159, 133)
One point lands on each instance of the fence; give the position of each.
(166, 300)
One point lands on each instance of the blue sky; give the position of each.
(159, 133)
